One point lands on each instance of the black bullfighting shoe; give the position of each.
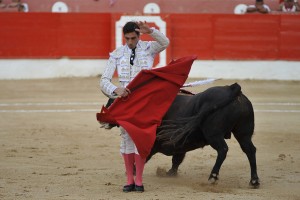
(129, 188)
(139, 188)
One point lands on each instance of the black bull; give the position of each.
(208, 118)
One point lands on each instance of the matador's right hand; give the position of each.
(122, 92)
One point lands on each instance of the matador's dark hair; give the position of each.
(130, 27)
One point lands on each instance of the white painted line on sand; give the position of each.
(276, 104)
(98, 103)
(49, 111)
(51, 104)
(98, 110)
(278, 111)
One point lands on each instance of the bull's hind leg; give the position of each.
(176, 161)
(221, 147)
(250, 150)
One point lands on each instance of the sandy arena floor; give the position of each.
(52, 148)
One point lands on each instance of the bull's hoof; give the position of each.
(254, 183)
(172, 172)
(213, 178)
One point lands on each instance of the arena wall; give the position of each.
(234, 46)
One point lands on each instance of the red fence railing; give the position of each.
(210, 36)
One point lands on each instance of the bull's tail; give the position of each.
(176, 132)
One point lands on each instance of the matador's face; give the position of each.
(131, 39)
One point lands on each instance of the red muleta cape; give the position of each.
(152, 93)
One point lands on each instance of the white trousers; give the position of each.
(127, 145)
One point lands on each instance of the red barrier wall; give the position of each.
(210, 36)
(48, 35)
(289, 42)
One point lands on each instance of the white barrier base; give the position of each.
(55, 68)
(256, 70)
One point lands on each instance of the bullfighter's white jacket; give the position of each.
(119, 59)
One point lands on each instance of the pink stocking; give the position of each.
(139, 164)
(129, 162)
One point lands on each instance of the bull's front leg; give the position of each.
(176, 161)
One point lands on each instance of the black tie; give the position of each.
(132, 56)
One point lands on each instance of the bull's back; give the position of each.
(178, 107)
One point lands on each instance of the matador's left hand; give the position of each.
(144, 28)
